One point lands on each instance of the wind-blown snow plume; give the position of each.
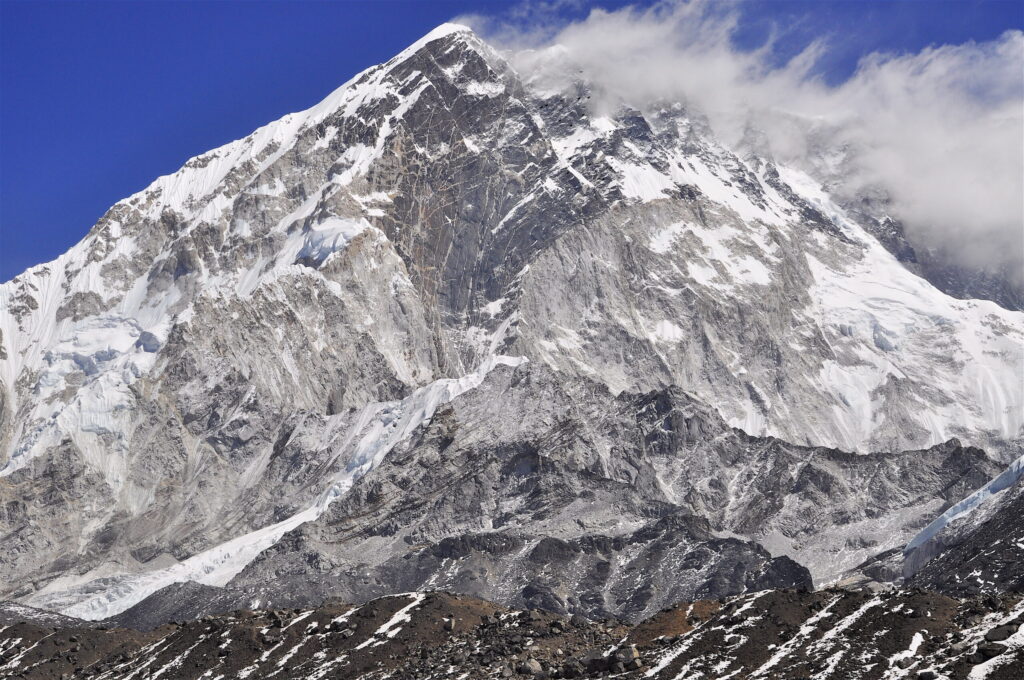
(940, 132)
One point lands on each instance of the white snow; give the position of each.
(723, 257)
(806, 629)
(641, 181)
(696, 171)
(393, 625)
(846, 622)
(890, 322)
(493, 308)
(329, 134)
(1014, 643)
(661, 242)
(329, 236)
(910, 651)
(566, 147)
(666, 331)
(482, 89)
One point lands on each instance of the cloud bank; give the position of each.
(941, 130)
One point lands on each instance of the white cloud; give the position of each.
(942, 130)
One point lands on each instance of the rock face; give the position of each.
(445, 329)
(778, 634)
(591, 506)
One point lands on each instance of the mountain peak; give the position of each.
(446, 29)
(443, 31)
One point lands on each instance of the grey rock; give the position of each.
(1001, 632)
(986, 651)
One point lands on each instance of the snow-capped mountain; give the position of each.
(442, 268)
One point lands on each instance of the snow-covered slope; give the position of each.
(200, 374)
(375, 431)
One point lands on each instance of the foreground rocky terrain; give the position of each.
(775, 634)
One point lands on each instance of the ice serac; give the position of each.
(288, 317)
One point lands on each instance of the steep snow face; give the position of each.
(912, 346)
(185, 375)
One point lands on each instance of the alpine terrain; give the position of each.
(456, 374)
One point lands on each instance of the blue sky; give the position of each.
(99, 98)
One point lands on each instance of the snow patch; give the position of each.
(393, 626)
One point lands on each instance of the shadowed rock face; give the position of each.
(305, 340)
(780, 634)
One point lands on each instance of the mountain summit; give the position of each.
(446, 329)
